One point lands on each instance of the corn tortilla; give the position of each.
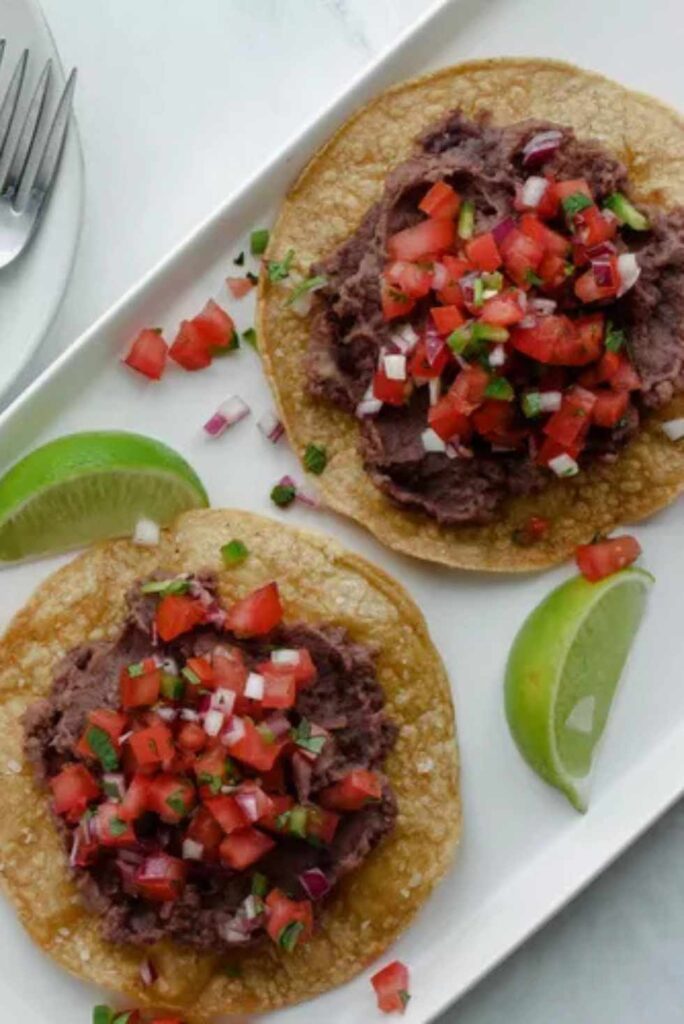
(326, 205)
(319, 582)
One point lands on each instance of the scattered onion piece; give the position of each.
(148, 972)
(146, 533)
(314, 883)
(629, 271)
(271, 427)
(564, 465)
(673, 428)
(227, 415)
(432, 442)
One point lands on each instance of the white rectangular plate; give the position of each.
(524, 851)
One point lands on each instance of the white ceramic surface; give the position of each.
(618, 959)
(32, 286)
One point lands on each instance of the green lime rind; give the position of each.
(91, 486)
(572, 647)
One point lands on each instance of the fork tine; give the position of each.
(33, 122)
(9, 104)
(52, 151)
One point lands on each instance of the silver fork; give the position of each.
(30, 154)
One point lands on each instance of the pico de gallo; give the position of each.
(214, 771)
(491, 322)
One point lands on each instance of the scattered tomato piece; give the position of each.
(596, 561)
(391, 987)
(147, 354)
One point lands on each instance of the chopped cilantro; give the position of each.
(289, 936)
(615, 339)
(278, 270)
(166, 587)
(531, 404)
(258, 241)
(177, 803)
(136, 669)
(172, 687)
(259, 884)
(117, 827)
(499, 388)
(214, 782)
(572, 204)
(250, 336)
(283, 495)
(315, 458)
(239, 261)
(102, 1015)
(102, 747)
(310, 284)
(532, 278)
(234, 553)
(303, 738)
(282, 820)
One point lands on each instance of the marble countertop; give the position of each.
(177, 104)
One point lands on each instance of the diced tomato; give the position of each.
(178, 614)
(440, 201)
(468, 389)
(551, 272)
(190, 348)
(625, 377)
(139, 691)
(305, 669)
(192, 737)
(229, 670)
(227, 812)
(161, 878)
(256, 614)
(203, 669)
(570, 424)
(280, 687)
(610, 407)
(148, 354)
(152, 747)
(73, 789)
(593, 227)
(391, 987)
(446, 318)
(354, 791)
(409, 278)
(419, 367)
(394, 302)
(136, 798)
(216, 326)
(393, 392)
(557, 340)
(110, 828)
(550, 450)
(240, 849)
(503, 310)
(86, 847)
(254, 749)
(551, 241)
(321, 824)
(522, 256)
(280, 805)
(483, 252)
(450, 294)
(239, 286)
(211, 770)
(447, 420)
(596, 561)
(171, 797)
(601, 372)
(111, 722)
(550, 201)
(495, 420)
(284, 912)
(205, 829)
(570, 187)
(589, 330)
(423, 239)
(534, 529)
(587, 289)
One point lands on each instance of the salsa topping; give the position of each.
(504, 314)
(213, 771)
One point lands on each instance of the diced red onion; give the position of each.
(308, 499)
(467, 286)
(167, 714)
(271, 427)
(434, 345)
(215, 615)
(146, 533)
(542, 307)
(603, 270)
(223, 700)
(234, 733)
(287, 481)
(285, 656)
(550, 401)
(148, 972)
(314, 883)
(192, 850)
(213, 722)
(674, 429)
(114, 780)
(533, 191)
(254, 687)
(540, 147)
(227, 415)
(563, 465)
(503, 228)
(435, 386)
(440, 277)
(432, 442)
(369, 405)
(247, 803)
(395, 367)
(278, 724)
(497, 356)
(629, 271)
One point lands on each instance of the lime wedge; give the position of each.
(563, 671)
(91, 486)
